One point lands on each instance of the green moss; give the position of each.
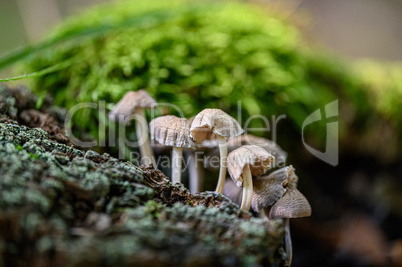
(201, 54)
(194, 60)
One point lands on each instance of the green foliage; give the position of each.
(383, 82)
(194, 55)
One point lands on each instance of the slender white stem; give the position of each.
(288, 242)
(247, 188)
(199, 160)
(192, 173)
(141, 129)
(124, 154)
(223, 151)
(122, 143)
(176, 164)
(196, 172)
(263, 215)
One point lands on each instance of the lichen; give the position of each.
(64, 206)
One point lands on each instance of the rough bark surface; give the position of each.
(61, 206)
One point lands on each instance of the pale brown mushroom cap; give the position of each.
(269, 188)
(214, 121)
(258, 159)
(130, 101)
(171, 131)
(249, 139)
(292, 205)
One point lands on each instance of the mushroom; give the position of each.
(245, 162)
(269, 188)
(232, 191)
(195, 171)
(214, 122)
(248, 139)
(133, 103)
(172, 131)
(270, 146)
(292, 205)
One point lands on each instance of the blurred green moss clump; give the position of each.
(196, 55)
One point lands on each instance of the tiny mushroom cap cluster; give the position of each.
(244, 163)
(133, 104)
(249, 159)
(172, 131)
(214, 123)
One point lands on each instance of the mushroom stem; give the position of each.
(124, 154)
(176, 164)
(223, 151)
(141, 130)
(263, 215)
(247, 188)
(288, 242)
(122, 142)
(196, 173)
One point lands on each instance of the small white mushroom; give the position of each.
(292, 205)
(134, 103)
(245, 162)
(172, 131)
(214, 123)
(195, 171)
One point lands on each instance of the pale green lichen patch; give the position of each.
(61, 204)
(181, 235)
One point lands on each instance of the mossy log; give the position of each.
(60, 206)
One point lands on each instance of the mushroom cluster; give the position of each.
(256, 166)
(275, 194)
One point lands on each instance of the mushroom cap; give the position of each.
(292, 205)
(268, 189)
(214, 121)
(130, 101)
(258, 159)
(232, 191)
(249, 139)
(171, 131)
(270, 146)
